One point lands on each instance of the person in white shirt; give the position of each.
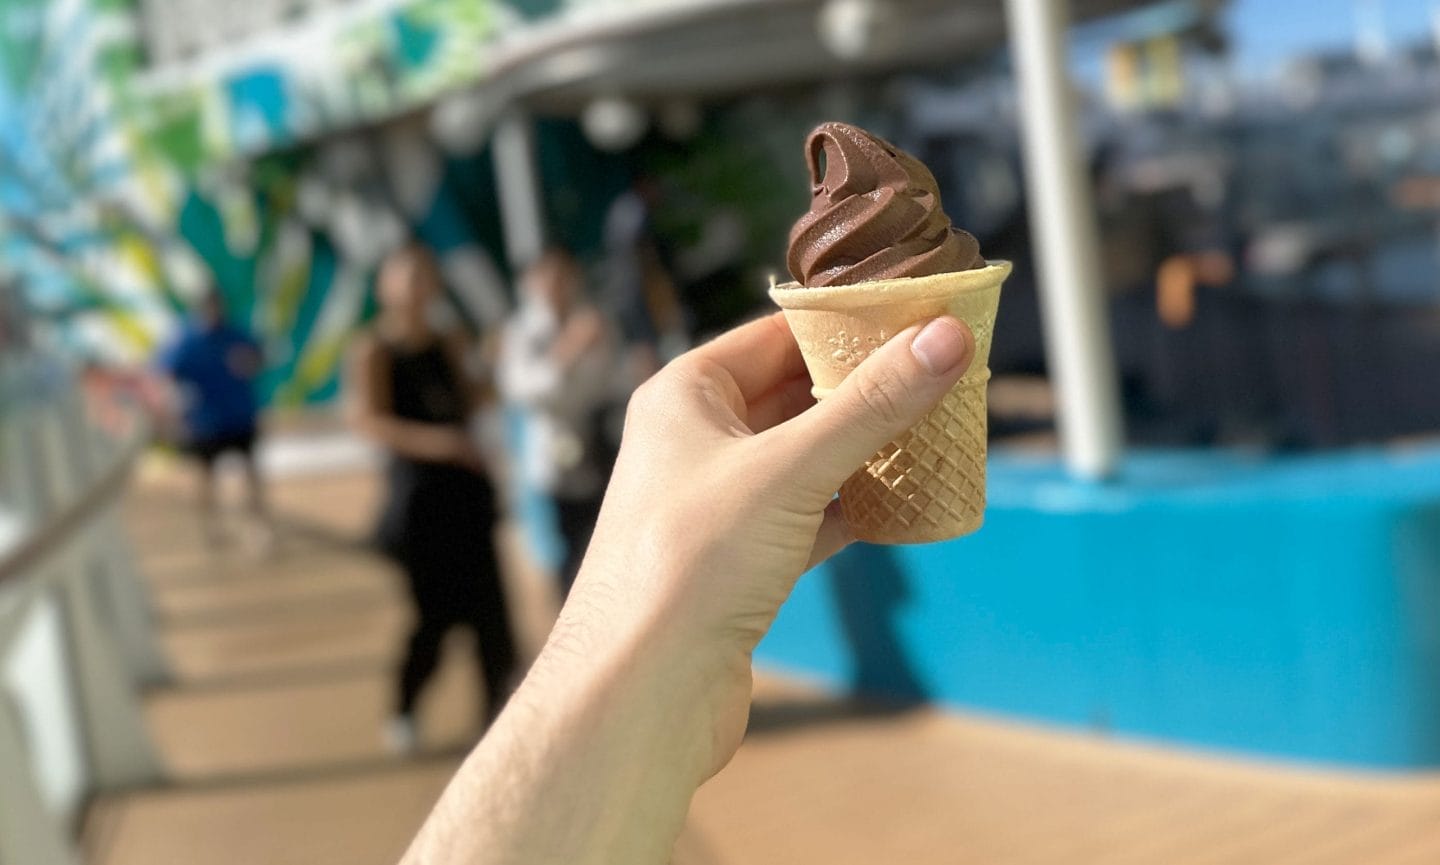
(558, 361)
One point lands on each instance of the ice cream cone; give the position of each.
(929, 484)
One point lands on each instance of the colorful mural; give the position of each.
(128, 190)
(277, 170)
(312, 78)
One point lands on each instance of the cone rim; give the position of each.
(792, 295)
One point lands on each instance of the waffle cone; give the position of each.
(928, 484)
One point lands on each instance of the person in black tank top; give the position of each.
(408, 393)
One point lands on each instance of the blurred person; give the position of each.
(1177, 277)
(724, 493)
(556, 361)
(1167, 252)
(212, 366)
(408, 392)
(639, 289)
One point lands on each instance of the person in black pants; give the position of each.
(409, 393)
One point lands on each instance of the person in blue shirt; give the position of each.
(213, 365)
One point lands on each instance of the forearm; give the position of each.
(594, 761)
(420, 441)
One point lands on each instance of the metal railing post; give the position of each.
(30, 833)
(124, 596)
(121, 753)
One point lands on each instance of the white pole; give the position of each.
(1062, 220)
(517, 187)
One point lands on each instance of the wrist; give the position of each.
(627, 625)
(605, 731)
(609, 662)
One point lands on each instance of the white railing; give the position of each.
(76, 642)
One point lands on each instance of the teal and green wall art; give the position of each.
(127, 190)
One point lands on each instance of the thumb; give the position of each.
(883, 397)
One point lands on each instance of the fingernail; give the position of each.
(941, 345)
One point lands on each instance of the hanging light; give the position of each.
(857, 30)
(613, 123)
(462, 124)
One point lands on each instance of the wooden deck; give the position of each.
(271, 735)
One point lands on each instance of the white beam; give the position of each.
(1062, 222)
(517, 182)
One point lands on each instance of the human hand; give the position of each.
(584, 330)
(724, 493)
(721, 497)
(455, 445)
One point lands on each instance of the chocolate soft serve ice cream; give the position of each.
(874, 255)
(875, 213)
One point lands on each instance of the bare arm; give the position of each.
(584, 766)
(721, 498)
(368, 408)
(584, 331)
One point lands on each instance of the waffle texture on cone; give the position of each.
(928, 484)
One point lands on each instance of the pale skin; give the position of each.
(555, 279)
(722, 497)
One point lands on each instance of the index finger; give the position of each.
(758, 355)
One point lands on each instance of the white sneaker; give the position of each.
(401, 737)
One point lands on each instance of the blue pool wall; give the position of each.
(1277, 606)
